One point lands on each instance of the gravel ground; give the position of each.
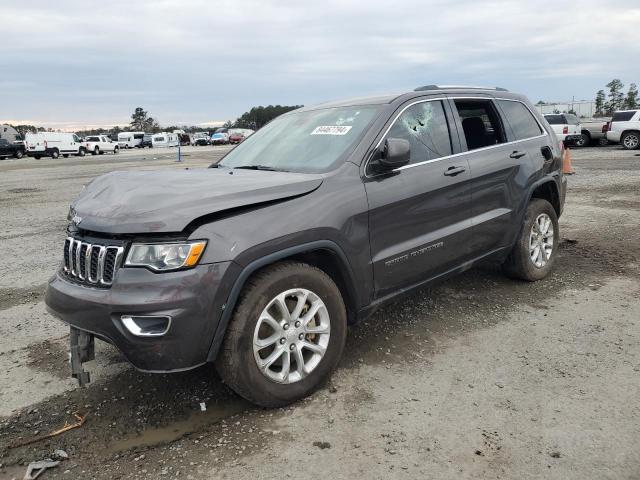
(478, 377)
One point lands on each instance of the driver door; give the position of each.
(420, 214)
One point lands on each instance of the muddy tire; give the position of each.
(283, 310)
(536, 247)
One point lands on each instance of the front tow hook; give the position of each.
(82, 350)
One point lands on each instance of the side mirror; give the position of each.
(395, 153)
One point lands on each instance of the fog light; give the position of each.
(146, 325)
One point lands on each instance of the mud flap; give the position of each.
(82, 350)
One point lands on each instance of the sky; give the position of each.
(74, 64)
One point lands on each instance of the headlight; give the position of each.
(163, 257)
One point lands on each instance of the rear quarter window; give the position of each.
(522, 121)
(622, 116)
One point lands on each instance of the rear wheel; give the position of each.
(582, 141)
(65, 155)
(116, 150)
(82, 152)
(95, 151)
(630, 140)
(37, 157)
(19, 154)
(286, 335)
(534, 252)
(55, 153)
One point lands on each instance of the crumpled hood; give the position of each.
(168, 200)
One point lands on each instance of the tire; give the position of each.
(65, 155)
(95, 151)
(37, 157)
(237, 362)
(82, 152)
(519, 264)
(116, 150)
(630, 140)
(19, 154)
(55, 153)
(583, 141)
(101, 152)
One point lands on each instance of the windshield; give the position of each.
(311, 141)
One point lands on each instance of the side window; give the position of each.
(522, 122)
(480, 123)
(425, 126)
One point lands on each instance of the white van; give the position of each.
(130, 139)
(53, 144)
(165, 139)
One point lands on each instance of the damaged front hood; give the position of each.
(168, 200)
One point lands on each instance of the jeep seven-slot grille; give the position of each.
(93, 264)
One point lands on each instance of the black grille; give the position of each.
(90, 263)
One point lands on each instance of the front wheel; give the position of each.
(286, 335)
(116, 150)
(82, 152)
(535, 250)
(630, 141)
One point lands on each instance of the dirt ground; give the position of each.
(478, 377)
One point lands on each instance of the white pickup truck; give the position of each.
(98, 144)
(567, 128)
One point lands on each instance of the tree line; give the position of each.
(141, 121)
(615, 99)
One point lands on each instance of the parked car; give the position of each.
(10, 134)
(220, 138)
(200, 139)
(236, 138)
(11, 149)
(567, 128)
(625, 129)
(594, 131)
(98, 144)
(165, 139)
(260, 262)
(130, 139)
(54, 144)
(147, 141)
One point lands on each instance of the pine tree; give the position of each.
(616, 97)
(600, 99)
(631, 101)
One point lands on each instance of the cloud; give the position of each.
(69, 61)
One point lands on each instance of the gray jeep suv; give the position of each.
(260, 262)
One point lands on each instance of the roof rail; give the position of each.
(447, 87)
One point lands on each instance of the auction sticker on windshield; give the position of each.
(331, 130)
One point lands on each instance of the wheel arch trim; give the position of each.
(252, 267)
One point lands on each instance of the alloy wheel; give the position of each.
(291, 336)
(541, 240)
(631, 141)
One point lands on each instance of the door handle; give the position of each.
(453, 171)
(517, 154)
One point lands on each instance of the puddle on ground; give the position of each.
(176, 430)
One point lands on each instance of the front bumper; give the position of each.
(192, 298)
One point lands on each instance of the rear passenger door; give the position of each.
(498, 179)
(419, 214)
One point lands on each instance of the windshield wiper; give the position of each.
(259, 167)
